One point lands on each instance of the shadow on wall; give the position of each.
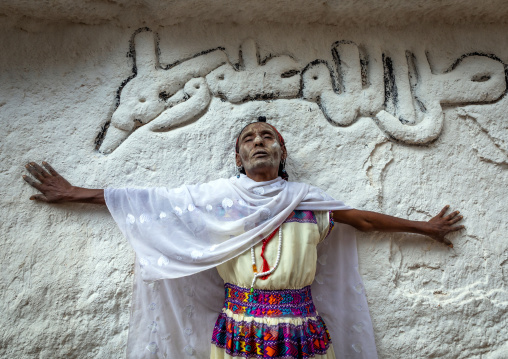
(398, 90)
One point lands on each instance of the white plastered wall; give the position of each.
(66, 270)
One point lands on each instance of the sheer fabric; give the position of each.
(180, 235)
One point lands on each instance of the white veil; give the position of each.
(180, 235)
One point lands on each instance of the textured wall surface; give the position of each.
(399, 120)
(172, 12)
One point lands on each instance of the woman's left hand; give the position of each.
(441, 225)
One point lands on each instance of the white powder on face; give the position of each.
(275, 145)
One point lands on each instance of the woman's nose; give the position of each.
(258, 139)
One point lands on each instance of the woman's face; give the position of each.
(259, 150)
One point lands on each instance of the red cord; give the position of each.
(266, 267)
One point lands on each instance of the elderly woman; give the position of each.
(260, 234)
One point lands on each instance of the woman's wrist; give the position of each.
(85, 195)
(424, 227)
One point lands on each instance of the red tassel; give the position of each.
(266, 267)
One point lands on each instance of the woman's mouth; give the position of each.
(259, 154)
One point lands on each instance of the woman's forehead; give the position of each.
(257, 127)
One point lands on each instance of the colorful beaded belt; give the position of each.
(269, 303)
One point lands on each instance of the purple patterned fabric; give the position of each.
(332, 223)
(301, 217)
(269, 303)
(250, 339)
(259, 340)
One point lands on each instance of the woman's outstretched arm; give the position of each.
(436, 228)
(56, 189)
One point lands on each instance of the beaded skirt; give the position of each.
(270, 324)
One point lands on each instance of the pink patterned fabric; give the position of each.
(301, 217)
(251, 339)
(269, 303)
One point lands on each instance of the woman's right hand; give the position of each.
(56, 189)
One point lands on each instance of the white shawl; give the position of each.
(180, 235)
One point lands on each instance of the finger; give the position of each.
(443, 211)
(456, 219)
(451, 215)
(447, 242)
(444, 241)
(32, 183)
(39, 169)
(456, 228)
(50, 169)
(34, 172)
(38, 197)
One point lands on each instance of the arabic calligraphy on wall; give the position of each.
(398, 91)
